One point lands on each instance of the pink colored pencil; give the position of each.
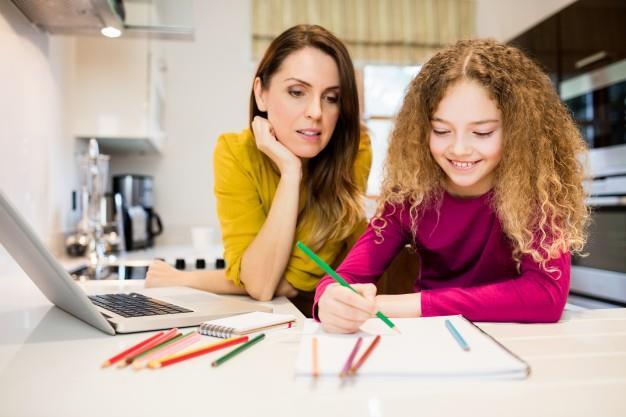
(348, 364)
(363, 358)
(155, 342)
(168, 351)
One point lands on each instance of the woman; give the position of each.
(298, 173)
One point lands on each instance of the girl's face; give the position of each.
(302, 101)
(466, 138)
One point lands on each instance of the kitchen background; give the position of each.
(158, 104)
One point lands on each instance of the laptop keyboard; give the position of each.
(135, 305)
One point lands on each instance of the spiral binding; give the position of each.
(216, 330)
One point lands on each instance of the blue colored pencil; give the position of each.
(457, 336)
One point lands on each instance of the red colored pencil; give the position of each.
(155, 342)
(162, 341)
(125, 353)
(201, 351)
(363, 358)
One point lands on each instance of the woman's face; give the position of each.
(302, 101)
(466, 138)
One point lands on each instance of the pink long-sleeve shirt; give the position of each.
(466, 264)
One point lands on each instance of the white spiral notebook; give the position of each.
(425, 349)
(247, 323)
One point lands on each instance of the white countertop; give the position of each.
(50, 365)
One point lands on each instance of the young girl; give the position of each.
(483, 181)
(299, 172)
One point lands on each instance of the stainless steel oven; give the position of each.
(598, 102)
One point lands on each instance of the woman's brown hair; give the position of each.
(538, 194)
(334, 204)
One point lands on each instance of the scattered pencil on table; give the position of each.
(353, 370)
(316, 369)
(320, 262)
(170, 350)
(348, 365)
(130, 350)
(164, 340)
(457, 336)
(238, 350)
(153, 343)
(142, 356)
(170, 360)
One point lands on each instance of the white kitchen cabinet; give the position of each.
(118, 94)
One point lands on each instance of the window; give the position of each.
(384, 87)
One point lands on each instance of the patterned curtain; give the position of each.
(376, 31)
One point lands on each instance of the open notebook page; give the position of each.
(424, 349)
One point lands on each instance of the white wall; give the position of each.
(36, 151)
(505, 19)
(208, 83)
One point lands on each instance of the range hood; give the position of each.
(161, 19)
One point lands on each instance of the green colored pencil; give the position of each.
(238, 350)
(340, 280)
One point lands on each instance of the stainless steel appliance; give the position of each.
(598, 103)
(140, 223)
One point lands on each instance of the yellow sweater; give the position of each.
(245, 183)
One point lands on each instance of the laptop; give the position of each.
(143, 309)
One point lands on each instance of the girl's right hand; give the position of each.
(341, 310)
(268, 144)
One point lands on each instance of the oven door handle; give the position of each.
(606, 201)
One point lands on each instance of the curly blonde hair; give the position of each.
(538, 194)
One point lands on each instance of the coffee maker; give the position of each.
(140, 223)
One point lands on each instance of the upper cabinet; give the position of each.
(541, 43)
(584, 36)
(592, 35)
(118, 93)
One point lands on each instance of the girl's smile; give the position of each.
(466, 138)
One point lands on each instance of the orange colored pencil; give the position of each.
(170, 360)
(130, 350)
(155, 342)
(316, 368)
(353, 370)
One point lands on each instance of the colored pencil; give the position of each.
(316, 369)
(164, 342)
(126, 352)
(353, 370)
(348, 364)
(175, 348)
(238, 350)
(168, 350)
(165, 336)
(341, 280)
(197, 352)
(457, 336)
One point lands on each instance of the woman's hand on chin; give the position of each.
(267, 143)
